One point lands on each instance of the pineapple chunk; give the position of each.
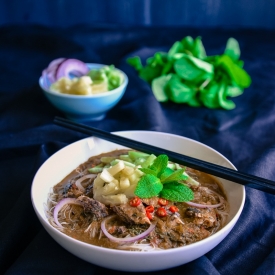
(98, 182)
(106, 176)
(116, 168)
(124, 183)
(129, 192)
(128, 170)
(110, 188)
(115, 199)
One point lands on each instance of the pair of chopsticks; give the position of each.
(248, 180)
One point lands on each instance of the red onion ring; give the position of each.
(78, 182)
(203, 205)
(70, 65)
(127, 239)
(53, 64)
(60, 205)
(48, 74)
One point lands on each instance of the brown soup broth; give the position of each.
(190, 224)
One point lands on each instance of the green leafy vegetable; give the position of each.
(160, 180)
(185, 74)
(238, 75)
(175, 191)
(148, 186)
(173, 177)
(159, 164)
(232, 49)
(108, 74)
(158, 87)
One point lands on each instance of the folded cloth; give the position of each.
(245, 135)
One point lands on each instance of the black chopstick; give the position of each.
(248, 180)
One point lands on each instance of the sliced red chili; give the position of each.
(161, 212)
(149, 208)
(162, 202)
(136, 201)
(173, 209)
(149, 215)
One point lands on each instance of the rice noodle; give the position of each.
(60, 205)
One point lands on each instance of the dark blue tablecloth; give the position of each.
(245, 135)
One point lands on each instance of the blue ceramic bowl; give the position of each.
(85, 107)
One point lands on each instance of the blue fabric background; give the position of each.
(195, 13)
(245, 135)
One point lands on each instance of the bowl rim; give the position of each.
(104, 94)
(225, 230)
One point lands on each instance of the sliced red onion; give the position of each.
(49, 73)
(127, 239)
(78, 182)
(53, 64)
(199, 205)
(60, 205)
(71, 65)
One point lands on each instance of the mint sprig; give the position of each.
(160, 180)
(148, 186)
(159, 164)
(174, 191)
(175, 176)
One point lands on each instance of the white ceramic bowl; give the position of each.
(50, 173)
(85, 107)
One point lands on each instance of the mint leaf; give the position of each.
(175, 191)
(159, 164)
(148, 171)
(161, 180)
(166, 173)
(148, 186)
(175, 176)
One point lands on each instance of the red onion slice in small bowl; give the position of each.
(54, 64)
(48, 73)
(71, 65)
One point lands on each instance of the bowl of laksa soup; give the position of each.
(132, 211)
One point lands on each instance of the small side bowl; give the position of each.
(85, 107)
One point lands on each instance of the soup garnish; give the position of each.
(130, 200)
